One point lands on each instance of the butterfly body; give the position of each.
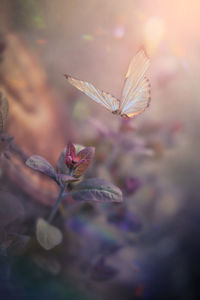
(135, 96)
(119, 113)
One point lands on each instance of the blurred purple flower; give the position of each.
(125, 220)
(131, 185)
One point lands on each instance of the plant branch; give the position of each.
(55, 208)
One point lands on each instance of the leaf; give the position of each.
(66, 178)
(61, 166)
(98, 190)
(85, 156)
(47, 263)
(48, 235)
(4, 108)
(42, 165)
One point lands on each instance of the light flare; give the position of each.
(154, 32)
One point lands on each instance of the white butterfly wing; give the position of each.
(136, 92)
(103, 98)
(140, 99)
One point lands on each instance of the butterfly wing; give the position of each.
(136, 92)
(103, 98)
(140, 101)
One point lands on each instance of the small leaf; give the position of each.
(4, 108)
(42, 165)
(48, 235)
(96, 189)
(85, 156)
(61, 166)
(47, 263)
(66, 178)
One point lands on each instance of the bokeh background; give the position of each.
(155, 256)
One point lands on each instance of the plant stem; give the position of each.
(55, 208)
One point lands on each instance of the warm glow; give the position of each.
(154, 31)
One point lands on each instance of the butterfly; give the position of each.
(135, 96)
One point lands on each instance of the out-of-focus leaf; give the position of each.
(61, 166)
(42, 165)
(48, 264)
(11, 209)
(85, 156)
(96, 189)
(102, 272)
(66, 178)
(4, 108)
(17, 244)
(47, 235)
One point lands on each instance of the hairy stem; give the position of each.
(55, 208)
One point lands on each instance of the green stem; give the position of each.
(55, 208)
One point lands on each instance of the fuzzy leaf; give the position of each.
(47, 263)
(42, 165)
(47, 235)
(61, 166)
(4, 107)
(85, 156)
(66, 178)
(98, 190)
